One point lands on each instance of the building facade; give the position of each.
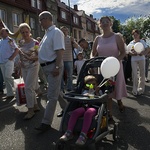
(14, 12)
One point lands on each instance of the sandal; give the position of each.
(82, 139)
(121, 107)
(67, 136)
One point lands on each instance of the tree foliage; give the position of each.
(141, 23)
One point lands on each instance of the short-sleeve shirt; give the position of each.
(7, 48)
(79, 64)
(52, 41)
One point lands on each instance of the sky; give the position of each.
(120, 9)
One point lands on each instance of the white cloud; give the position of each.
(97, 6)
(112, 7)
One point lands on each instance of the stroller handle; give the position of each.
(84, 98)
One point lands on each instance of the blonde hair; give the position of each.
(24, 25)
(89, 78)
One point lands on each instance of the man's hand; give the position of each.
(55, 72)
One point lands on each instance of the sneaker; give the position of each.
(82, 139)
(67, 136)
(43, 127)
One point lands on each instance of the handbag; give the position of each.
(20, 92)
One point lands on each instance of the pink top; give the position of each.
(108, 47)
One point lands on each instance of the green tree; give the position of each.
(141, 23)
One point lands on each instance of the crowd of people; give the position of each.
(54, 63)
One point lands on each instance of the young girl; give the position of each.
(79, 62)
(86, 111)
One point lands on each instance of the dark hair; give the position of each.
(135, 31)
(81, 40)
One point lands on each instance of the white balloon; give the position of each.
(129, 47)
(138, 47)
(110, 67)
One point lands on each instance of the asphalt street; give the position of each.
(19, 134)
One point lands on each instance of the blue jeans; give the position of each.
(1, 81)
(68, 67)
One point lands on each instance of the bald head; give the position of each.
(46, 14)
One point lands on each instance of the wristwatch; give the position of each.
(57, 67)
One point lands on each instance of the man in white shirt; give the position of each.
(51, 60)
(8, 52)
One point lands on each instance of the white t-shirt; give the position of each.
(53, 40)
(138, 57)
(79, 64)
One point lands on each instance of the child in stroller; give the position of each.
(85, 110)
(87, 135)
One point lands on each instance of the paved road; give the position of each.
(134, 126)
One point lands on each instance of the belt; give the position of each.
(47, 63)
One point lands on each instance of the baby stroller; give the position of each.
(99, 127)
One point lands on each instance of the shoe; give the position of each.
(134, 93)
(39, 92)
(43, 127)
(82, 139)
(67, 136)
(9, 97)
(36, 108)
(146, 80)
(29, 114)
(60, 114)
(140, 93)
(121, 107)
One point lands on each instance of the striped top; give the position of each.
(68, 56)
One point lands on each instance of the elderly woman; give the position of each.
(30, 67)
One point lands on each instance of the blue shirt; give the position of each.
(7, 48)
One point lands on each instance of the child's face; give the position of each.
(93, 82)
(80, 56)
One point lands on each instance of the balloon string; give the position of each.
(101, 84)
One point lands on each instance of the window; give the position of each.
(39, 4)
(89, 26)
(36, 4)
(63, 15)
(3, 15)
(80, 35)
(75, 20)
(33, 26)
(32, 23)
(96, 27)
(15, 18)
(33, 3)
(75, 33)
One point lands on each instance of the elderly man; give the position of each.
(51, 61)
(8, 52)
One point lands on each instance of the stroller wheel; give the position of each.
(115, 132)
(59, 145)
